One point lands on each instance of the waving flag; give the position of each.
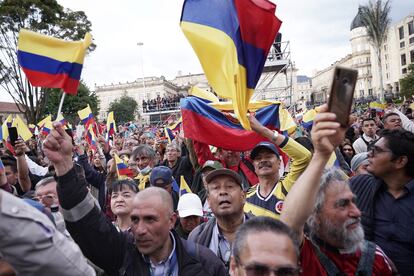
(61, 120)
(184, 188)
(86, 116)
(52, 62)
(5, 127)
(44, 120)
(231, 39)
(206, 124)
(91, 138)
(22, 130)
(110, 126)
(121, 168)
(46, 128)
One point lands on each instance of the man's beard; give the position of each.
(350, 239)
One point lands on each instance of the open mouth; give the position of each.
(224, 203)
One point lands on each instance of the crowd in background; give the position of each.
(282, 207)
(162, 103)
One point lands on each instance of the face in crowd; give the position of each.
(338, 219)
(152, 219)
(348, 150)
(266, 163)
(47, 194)
(392, 121)
(225, 196)
(121, 200)
(231, 158)
(369, 127)
(172, 153)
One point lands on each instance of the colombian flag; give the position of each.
(231, 39)
(61, 120)
(121, 168)
(209, 125)
(91, 138)
(22, 130)
(110, 126)
(86, 116)
(184, 188)
(52, 62)
(47, 126)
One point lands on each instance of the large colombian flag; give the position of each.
(231, 39)
(212, 125)
(52, 62)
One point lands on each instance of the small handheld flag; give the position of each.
(52, 62)
(184, 189)
(121, 168)
(86, 116)
(110, 126)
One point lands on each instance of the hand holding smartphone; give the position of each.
(342, 93)
(13, 135)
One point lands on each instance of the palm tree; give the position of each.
(376, 18)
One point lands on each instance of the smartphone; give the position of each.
(13, 135)
(342, 93)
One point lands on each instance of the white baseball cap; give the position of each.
(189, 205)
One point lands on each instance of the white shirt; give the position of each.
(360, 146)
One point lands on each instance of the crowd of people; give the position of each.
(171, 102)
(65, 208)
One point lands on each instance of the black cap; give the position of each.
(263, 145)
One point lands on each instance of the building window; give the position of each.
(361, 92)
(412, 56)
(370, 91)
(386, 57)
(385, 47)
(411, 40)
(410, 28)
(403, 60)
(404, 70)
(387, 76)
(368, 59)
(402, 44)
(401, 32)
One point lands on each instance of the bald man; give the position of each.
(151, 248)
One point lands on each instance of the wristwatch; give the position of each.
(275, 135)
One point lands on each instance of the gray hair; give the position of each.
(329, 177)
(144, 150)
(45, 181)
(262, 224)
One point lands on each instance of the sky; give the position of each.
(318, 32)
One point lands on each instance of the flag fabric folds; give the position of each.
(5, 127)
(22, 129)
(46, 128)
(52, 62)
(91, 138)
(184, 188)
(208, 125)
(44, 120)
(61, 120)
(121, 168)
(231, 39)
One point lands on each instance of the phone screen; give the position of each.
(13, 135)
(342, 93)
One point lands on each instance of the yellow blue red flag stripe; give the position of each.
(231, 39)
(52, 62)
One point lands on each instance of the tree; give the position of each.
(407, 83)
(124, 108)
(42, 16)
(72, 104)
(376, 18)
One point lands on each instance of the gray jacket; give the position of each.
(31, 244)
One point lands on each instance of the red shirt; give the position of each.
(347, 263)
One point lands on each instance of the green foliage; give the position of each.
(42, 16)
(407, 83)
(124, 108)
(72, 104)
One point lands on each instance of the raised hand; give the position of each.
(326, 133)
(58, 148)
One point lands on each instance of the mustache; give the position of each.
(352, 221)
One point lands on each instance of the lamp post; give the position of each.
(141, 45)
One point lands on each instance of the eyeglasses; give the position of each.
(263, 270)
(377, 150)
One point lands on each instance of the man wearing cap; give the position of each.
(226, 198)
(266, 198)
(161, 177)
(359, 164)
(190, 213)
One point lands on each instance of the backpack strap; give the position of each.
(328, 265)
(367, 259)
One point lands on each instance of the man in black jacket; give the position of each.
(152, 249)
(386, 198)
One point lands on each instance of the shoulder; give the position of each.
(252, 190)
(201, 229)
(363, 181)
(382, 264)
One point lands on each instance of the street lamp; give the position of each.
(141, 45)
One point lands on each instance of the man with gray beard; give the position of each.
(335, 244)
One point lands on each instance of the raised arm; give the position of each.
(299, 203)
(22, 168)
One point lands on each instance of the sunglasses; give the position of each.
(263, 270)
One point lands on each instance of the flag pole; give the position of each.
(61, 103)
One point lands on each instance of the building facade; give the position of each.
(397, 54)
